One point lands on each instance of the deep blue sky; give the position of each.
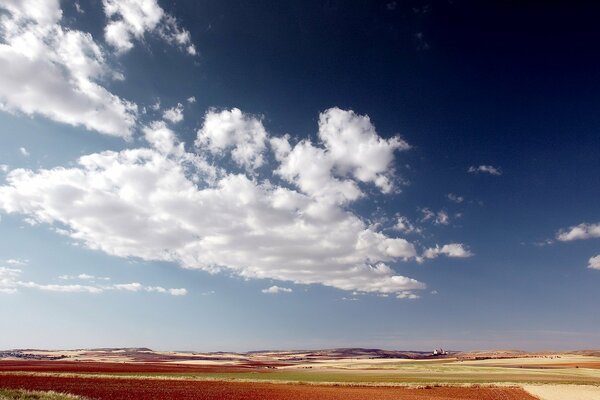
(514, 86)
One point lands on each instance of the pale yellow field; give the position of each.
(563, 392)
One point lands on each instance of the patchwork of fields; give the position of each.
(276, 377)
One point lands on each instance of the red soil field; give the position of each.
(113, 367)
(128, 389)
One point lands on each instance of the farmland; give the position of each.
(277, 375)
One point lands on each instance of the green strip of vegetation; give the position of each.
(9, 394)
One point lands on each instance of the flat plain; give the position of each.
(332, 374)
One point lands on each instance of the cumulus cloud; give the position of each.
(579, 232)
(10, 282)
(350, 152)
(174, 114)
(451, 250)
(191, 100)
(55, 72)
(24, 152)
(486, 169)
(170, 205)
(276, 289)
(594, 262)
(234, 130)
(129, 20)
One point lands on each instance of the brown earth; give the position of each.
(113, 367)
(127, 389)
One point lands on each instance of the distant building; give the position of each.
(439, 352)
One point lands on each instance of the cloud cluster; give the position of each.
(350, 152)
(579, 232)
(164, 203)
(129, 20)
(56, 72)
(485, 169)
(10, 282)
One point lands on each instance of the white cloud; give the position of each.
(579, 232)
(16, 262)
(437, 218)
(403, 224)
(129, 20)
(455, 198)
(487, 169)
(60, 288)
(162, 138)
(84, 277)
(10, 283)
(155, 106)
(78, 8)
(177, 292)
(451, 250)
(55, 72)
(442, 218)
(191, 100)
(171, 206)
(232, 129)
(407, 295)
(4, 168)
(130, 287)
(174, 114)
(351, 151)
(23, 151)
(594, 262)
(276, 289)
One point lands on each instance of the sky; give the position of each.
(217, 175)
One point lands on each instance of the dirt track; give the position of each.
(106, 388)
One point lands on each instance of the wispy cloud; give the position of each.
(455, 198)
(486, 169)
(10, 282)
